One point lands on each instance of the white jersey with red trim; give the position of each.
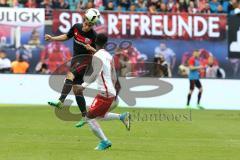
(105, 78)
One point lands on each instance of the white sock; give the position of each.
(110, 116)
(96, 129)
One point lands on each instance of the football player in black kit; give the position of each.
(83, 35)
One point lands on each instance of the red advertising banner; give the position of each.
(145, 25)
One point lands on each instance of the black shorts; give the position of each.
(79, 68)
(196, 83)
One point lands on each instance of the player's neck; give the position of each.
(98, 48)
(86, 30)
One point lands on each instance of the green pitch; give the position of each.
(35, 133)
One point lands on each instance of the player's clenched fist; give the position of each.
(48, 37)
(90, 48)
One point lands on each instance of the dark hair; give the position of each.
(2, 51)
(101, 40)
(20, 58)
(44, 66)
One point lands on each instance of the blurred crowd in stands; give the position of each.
(129, 61)
(18, 66)
(151, 6)
(53, 58)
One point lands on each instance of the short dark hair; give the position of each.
(101, 39)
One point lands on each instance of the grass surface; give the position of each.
(35, 133)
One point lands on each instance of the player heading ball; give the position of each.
(83, 35)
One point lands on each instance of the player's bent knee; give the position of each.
(70, 76)
(90, 115)
(76, 91)
(114, 104)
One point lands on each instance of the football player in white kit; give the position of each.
(105, 74)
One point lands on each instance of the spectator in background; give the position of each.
(179, 8)
(163, 8)
(110, 6)
(3, 3)
(105, 2)
(47, 5)
(152, 9)
(183, 5)
(20, 66)
(125, 4)
(192, 8)
(158, 5)
(99, 4)
(38, 2)
(132, 8)
(55, 55)
(225, 4)
(206, 10)
(55, 4)
(141, 64)
(201, 5)
(236, 10)
(162, 68)
(220, 9)
(168, 54)
(5, 63)
(213, 70)
(232, 5)
(170, 5)
(42, 68)
(35, 38)
(120, 9)
(25, 53)
(141, 6)
(116, 58)
(31, 4)
(153, 2)
(176, 8)
(133, 55)
(130, 61)
(61, 4)
(16, 4)
(90, 4)
(122, 62)
(81, 5)
(215, 6)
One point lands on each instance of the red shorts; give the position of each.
(100, 106)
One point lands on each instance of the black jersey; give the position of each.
(81, 38)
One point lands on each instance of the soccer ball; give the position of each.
(183, 70)
(92, 15)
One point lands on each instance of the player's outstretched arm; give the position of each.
(62, 37)
(90, 48)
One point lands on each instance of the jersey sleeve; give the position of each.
(70, 33)
(172, 53)
(191, 62)
(98, 55)
(97, 65)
